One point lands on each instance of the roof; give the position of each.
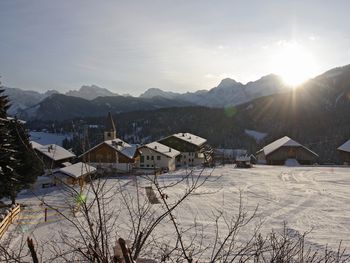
(345, 147)
(162, 149)
(77, 170)
(118, 145)
(283, 142)
(191, 138)
(110, 126)
(53, 151)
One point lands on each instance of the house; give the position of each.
(192, 148)
(113, 153)
(75, 174)
(344, 151)
(52, 155)
(157, 156)
(228, 155)
(283, 149)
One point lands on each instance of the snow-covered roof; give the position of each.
(345, 147)
(77, 170)
(284, 141)
(191, 138)
(35, 145)
(53, 151)
(118, 145)
(20, 121)
(162, 149)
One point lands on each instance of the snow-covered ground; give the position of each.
(48, 138)
(306, 198)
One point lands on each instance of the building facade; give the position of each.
(283, 149)
(157, 156)
(192, 149)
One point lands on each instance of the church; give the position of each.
(113, 153)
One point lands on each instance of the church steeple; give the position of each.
(110, 132)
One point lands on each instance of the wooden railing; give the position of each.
(9, 218)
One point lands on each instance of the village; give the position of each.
(285, 167)
(114, 156)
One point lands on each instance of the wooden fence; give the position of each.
(7, 221)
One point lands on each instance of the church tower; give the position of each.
(110, 132)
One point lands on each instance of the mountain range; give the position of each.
(96, 101)
(93, 100)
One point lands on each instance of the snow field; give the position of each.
(315, 199)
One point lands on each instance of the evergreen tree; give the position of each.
(28, 166)
(7, 160)
(19, 166)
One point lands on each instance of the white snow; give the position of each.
(191, 138)
(291, 162)
(163, 149)
(307, 198)
(284, 141)
(345, 147)
(48, 138)
(77, 170)
(53, 151)
(338, 97)
(258, 136)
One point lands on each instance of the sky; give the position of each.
(174, 45)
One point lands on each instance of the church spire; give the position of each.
(110, 132)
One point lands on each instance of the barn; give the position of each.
(284, 151)
(344, 151)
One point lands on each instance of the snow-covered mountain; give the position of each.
(228, 93)
(90, 92)
(22, 99)
(155, 92)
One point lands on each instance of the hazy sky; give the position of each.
(129, 46)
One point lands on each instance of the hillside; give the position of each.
(62, 107)
(315, 115)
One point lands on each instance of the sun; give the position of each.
(294, 63)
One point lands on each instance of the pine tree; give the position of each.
(28, 166)
(7, 160)
(19, 166)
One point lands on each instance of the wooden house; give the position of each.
(157, 156)
(113, 153)
(344, 151)
(52, 155)
(281, 150)
(192, 148)
(76, 174)
(225, 156)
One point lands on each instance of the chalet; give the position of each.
(113, 153)
(52, 155)
(192, 148)
(157, 156)
(76, 174)
(281, 150)
(344, 151)
(224, 156)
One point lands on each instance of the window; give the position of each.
(142, 159)
(158, 158)
(147, 157)
(142, 165)
(147, 165)
(152, 157)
